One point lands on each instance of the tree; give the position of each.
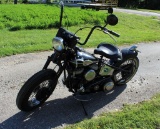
(149, 4)
(153, 4)
(15, 1)
(128, 3)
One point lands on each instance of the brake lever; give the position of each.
(106, 32)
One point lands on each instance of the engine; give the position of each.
(86, 73)
(90, 71)
(85, 67)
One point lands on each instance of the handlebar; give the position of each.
(90, 34)
(105, 30)
(114, 33)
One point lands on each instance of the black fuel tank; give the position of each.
(83, 59)
(86, 56)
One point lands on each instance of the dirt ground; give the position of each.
(61, 108)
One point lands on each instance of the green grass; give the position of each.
(38, 16)
(132, 28)
(25, 41)
(145, 115)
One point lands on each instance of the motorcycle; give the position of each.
(83, 73)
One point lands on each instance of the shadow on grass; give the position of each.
(60, 111)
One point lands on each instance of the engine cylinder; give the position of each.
(106, 70)
(90, 75)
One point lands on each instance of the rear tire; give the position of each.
(130, 66)
(36, 90)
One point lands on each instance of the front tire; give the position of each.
(129, 68)
(36, 90)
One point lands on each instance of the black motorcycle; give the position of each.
(84, 73)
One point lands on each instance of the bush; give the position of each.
(128, 3)
(152, 4)
(149, 4)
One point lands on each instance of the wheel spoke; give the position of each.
(40, 93)
(128, 70)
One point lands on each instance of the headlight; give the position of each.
(58, 43)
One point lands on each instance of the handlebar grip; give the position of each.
(114, 33)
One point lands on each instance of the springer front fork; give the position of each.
(47, 63)
(53, 58)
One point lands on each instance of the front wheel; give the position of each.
(36, 90)
(128, 69)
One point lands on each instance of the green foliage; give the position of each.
(130, 27)
(152, 4)
(140, 116)
(149, 4)
(128, 3)
(17, 17)
(6, 1)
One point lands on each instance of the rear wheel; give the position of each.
(129, 68)
(36, 90)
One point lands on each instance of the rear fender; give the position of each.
(129, 52)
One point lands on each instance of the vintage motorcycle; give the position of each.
(83, 73)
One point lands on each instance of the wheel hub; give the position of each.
(42, 93)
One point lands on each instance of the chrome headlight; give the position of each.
(58, 43)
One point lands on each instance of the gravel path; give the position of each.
(62, 108)
(137, 12)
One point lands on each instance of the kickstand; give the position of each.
(84, 108)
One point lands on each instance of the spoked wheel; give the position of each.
(128, 69)
(40, 93)
(36, 90)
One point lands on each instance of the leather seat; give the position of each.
(108, 51)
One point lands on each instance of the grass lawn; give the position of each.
(145, 115)
(132, 28)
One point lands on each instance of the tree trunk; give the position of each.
(15, 1)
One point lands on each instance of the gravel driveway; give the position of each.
(144, 13)
(62, 108)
